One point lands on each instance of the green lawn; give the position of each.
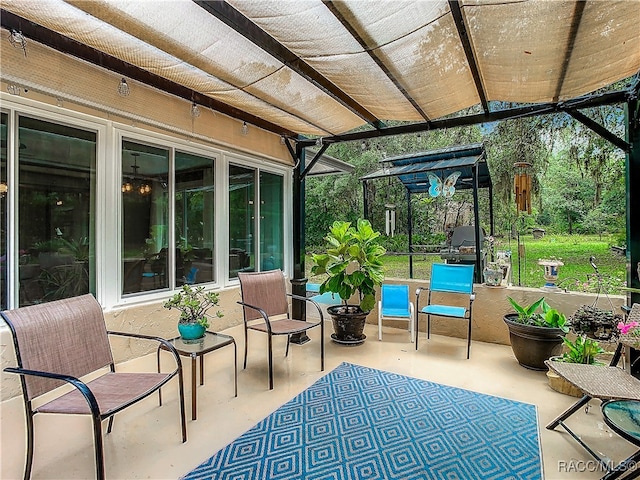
(573, 250)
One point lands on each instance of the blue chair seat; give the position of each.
(396, 312)
(445, 311)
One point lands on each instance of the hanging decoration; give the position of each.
(445, 188)
(522, 186)
(133, 182)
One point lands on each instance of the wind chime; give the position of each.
(522, 186)
(522, 192)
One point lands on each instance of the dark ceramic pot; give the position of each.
(533, 345)
(348, 324)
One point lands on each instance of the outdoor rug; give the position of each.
(360, 423)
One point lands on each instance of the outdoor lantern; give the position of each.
(522, 186)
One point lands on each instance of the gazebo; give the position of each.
(468, 163)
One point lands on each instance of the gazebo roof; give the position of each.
(412, 170)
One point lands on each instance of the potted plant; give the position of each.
(193, 303)
(535, 332)
(353, 264)
(582, 350)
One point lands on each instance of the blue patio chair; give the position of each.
(394, 304)
(448, 279)
(326, 298)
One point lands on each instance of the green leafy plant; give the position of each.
(582, 350)
(546, 317)
(193, 303)
(349, 246)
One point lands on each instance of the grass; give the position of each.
(577, 274)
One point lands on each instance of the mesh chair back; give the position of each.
(66, 336)
(265, 290)
(395, 300)
(451, 278)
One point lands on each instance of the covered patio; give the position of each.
(236, 103)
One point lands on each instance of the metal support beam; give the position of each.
(632, 117)
(600, 130)
(573, 33)
(334, 8)
(456, 11)
(299, 281)
(410, 221)
(476, 221)
(75, 49)
(587, 101)
(245, 27)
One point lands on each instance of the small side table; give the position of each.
(199, 348)
(623, 416)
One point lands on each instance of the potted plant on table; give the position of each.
(535, 332)
(353, 264)
(193, 303)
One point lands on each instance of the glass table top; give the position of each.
(210, 341)
(624, 415)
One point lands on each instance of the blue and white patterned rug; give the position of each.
(360, 423)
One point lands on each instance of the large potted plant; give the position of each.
(535, 332)
(193, 303)
(353, 264)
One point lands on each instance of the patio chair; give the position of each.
(605, 383)
(266, 310)
(448, 279)
(58, 343)
(394, 304)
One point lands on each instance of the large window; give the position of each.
(56, 211)
(271, 221)
(145, 217)
(194, 219)
(241, 219)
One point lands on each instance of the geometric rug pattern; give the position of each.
(359, 423)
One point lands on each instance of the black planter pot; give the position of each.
(533, 345)
(348, 324)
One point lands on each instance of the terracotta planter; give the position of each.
(533, 345)
(348, 324)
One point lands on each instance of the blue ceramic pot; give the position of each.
(191, 331)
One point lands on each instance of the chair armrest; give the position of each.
(165, 343)
(79, 384)
(419, 291)
(315, 304)
(261, 311)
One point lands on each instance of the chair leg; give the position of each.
(428, 327)
(183, 421)
(110, 425)
(417, 327)
(270, 363)
(98, 446)
(246, 342)
(568, 412)
(321, 345)
(469, 340)
(29, 463)
(379, 327)
(286, 352)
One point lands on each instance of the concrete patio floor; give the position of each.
(145, 442)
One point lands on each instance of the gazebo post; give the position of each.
(476, 220)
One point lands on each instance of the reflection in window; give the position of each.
(271, 221)
(56, 216)
(4, 261)
(194, 219)
(241, 219)
(145, 214)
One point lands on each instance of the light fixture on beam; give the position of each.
(17, 40)
(123, 88)
(195, 110)
(245, 128)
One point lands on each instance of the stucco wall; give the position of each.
(490, 306)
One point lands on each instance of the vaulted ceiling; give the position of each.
(324, 68)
